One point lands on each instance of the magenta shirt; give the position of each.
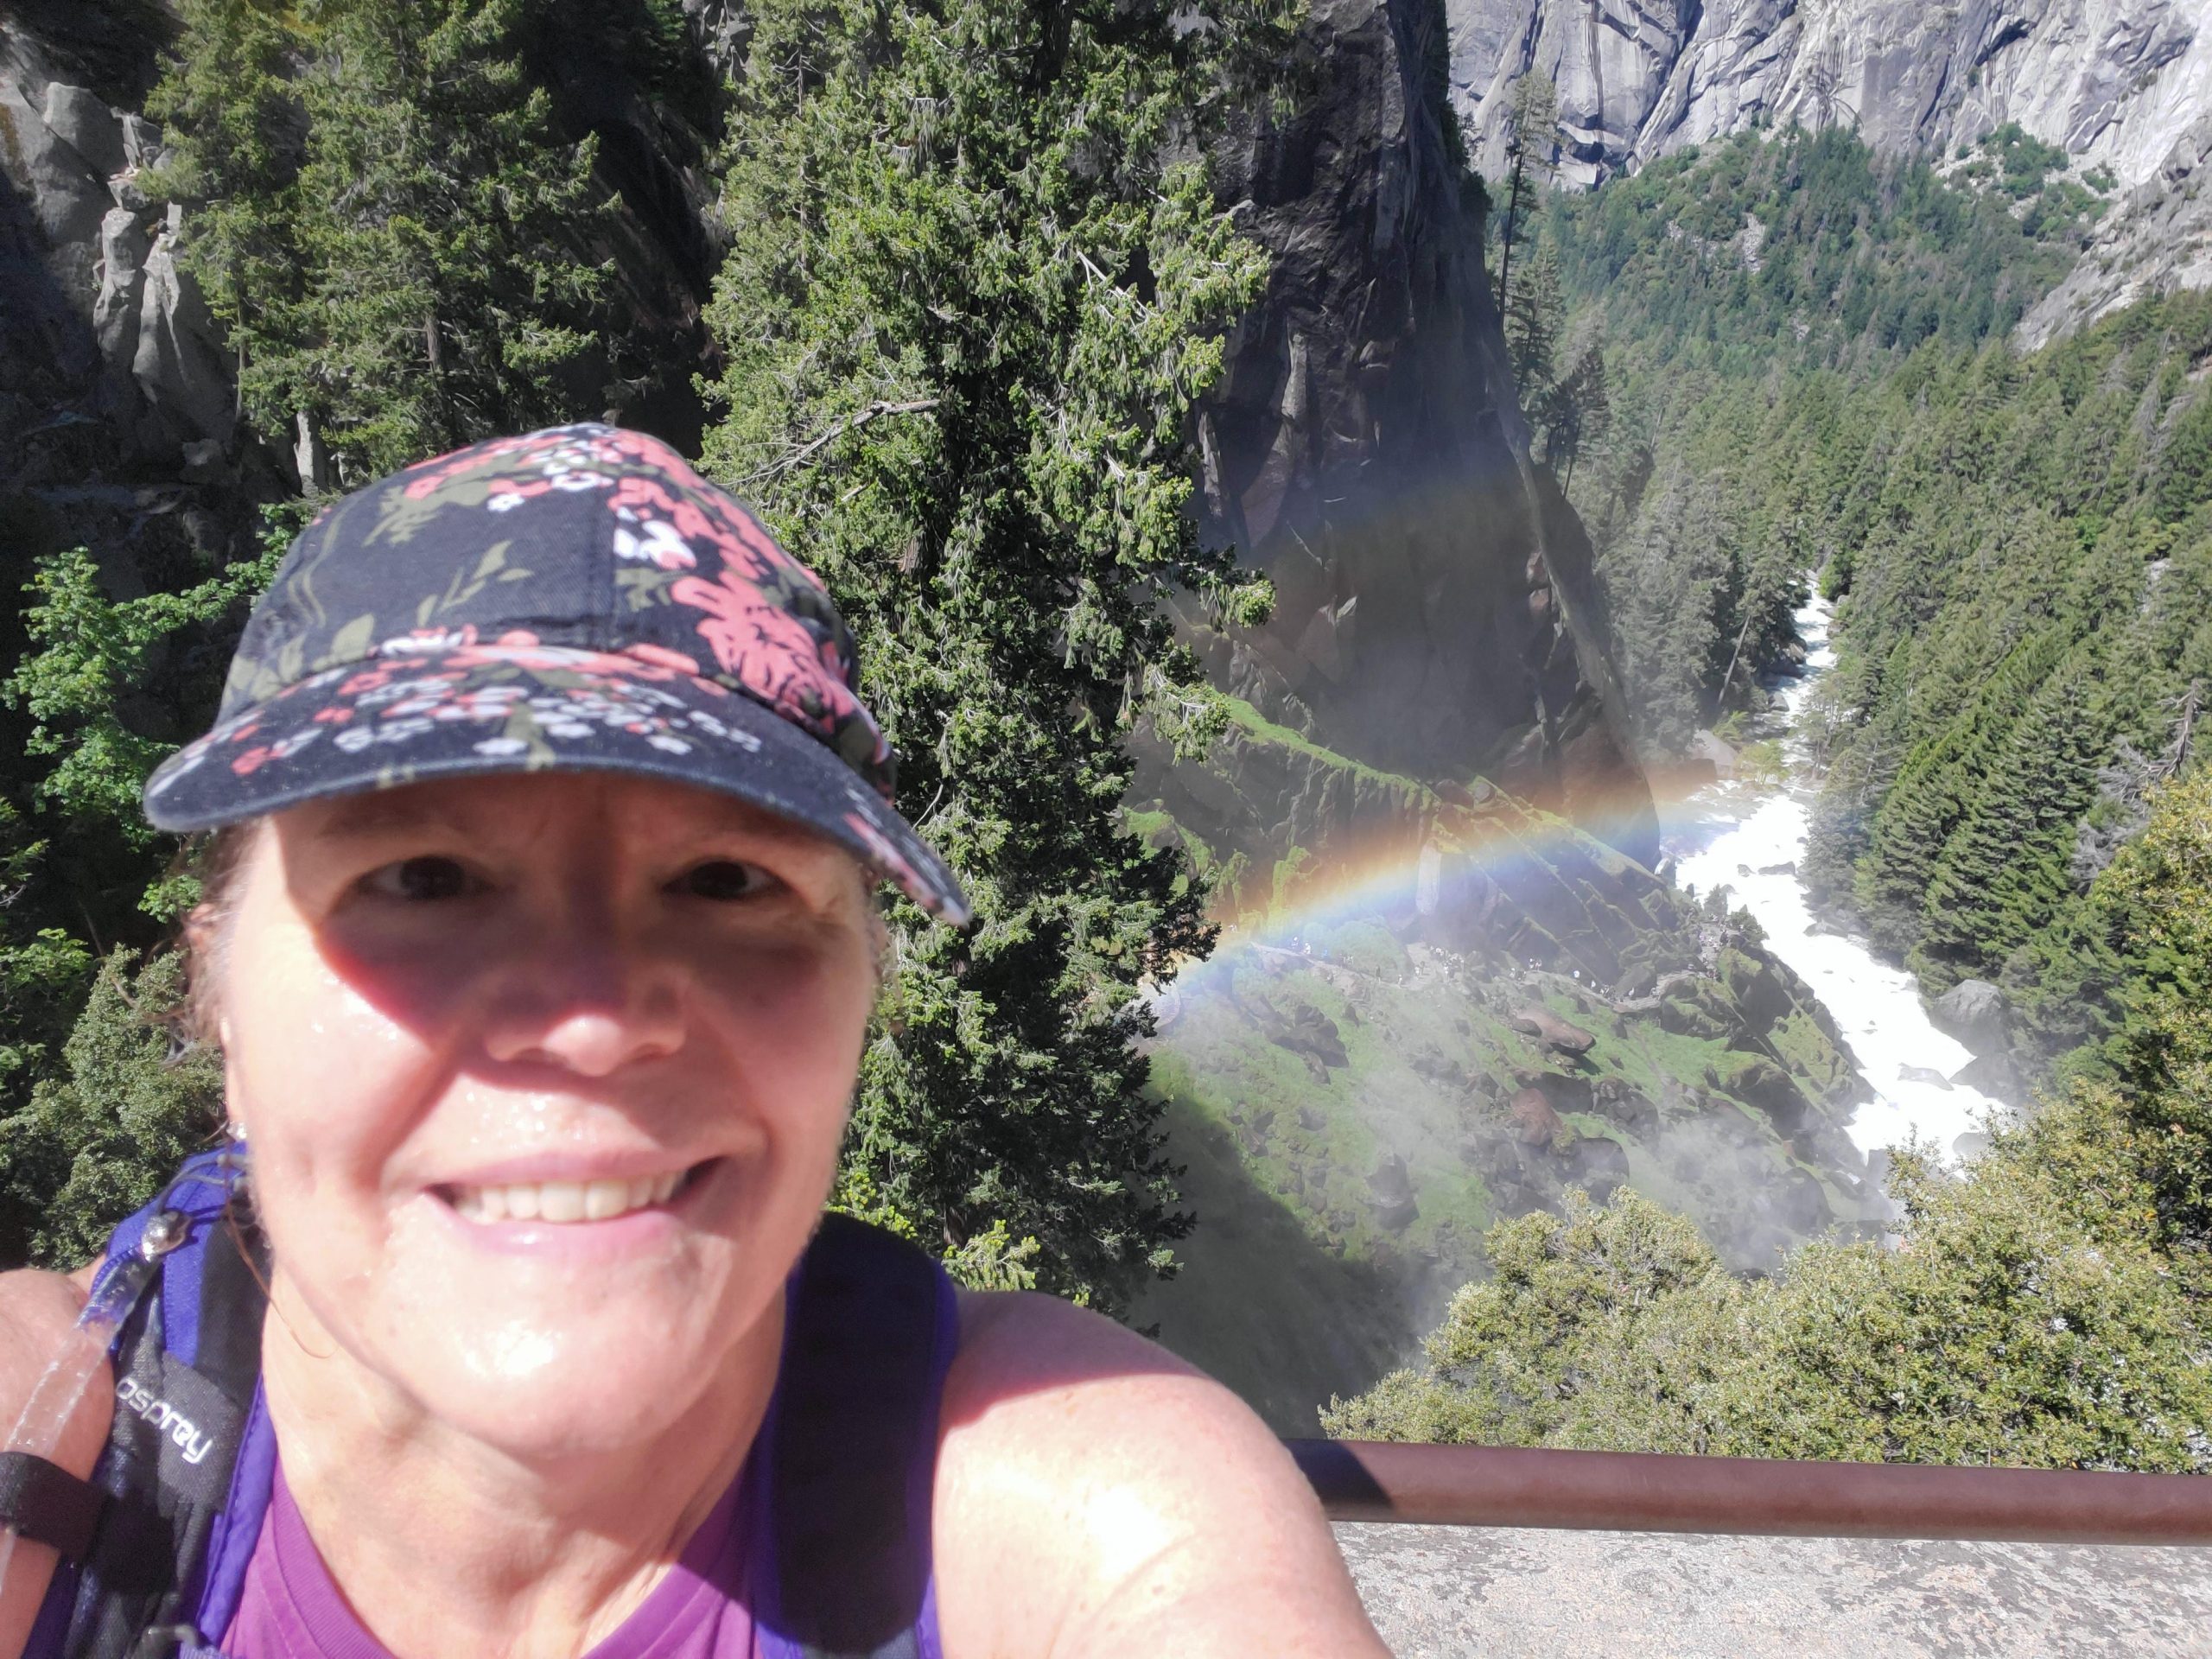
(291, 1608)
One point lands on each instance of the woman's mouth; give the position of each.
(565, 1202)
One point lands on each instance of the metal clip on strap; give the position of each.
(46, 1503)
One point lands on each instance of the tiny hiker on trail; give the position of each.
(539, 936)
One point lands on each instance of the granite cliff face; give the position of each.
(1436, 616)
(2121, 83)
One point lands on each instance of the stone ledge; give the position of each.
(1452, 1593)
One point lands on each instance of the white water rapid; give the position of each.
(1750, 839)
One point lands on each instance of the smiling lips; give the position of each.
(563, 1202)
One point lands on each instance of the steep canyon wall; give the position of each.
(1436, 616)
(2121, 83)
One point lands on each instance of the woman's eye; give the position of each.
(723, 880)
(420, 880)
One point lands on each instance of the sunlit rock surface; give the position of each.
(2124, 84)
(1451, 1593)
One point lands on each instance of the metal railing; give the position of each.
(1633, 1491)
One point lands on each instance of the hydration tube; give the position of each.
(60, 1388)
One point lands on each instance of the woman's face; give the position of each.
(544, 1078)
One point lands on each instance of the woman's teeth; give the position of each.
(563, 1201)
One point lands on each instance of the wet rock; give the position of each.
(1759, 1082)
(1993, 1075)
(1926, 1074)
(1802, 1204)
(1688, 1012)
(1715, 753)
(1307, 1033)
(1390, 1195)
(1597, 1164)
(1556, 1033)
(1624, 1103)
(1312, 1119)
(1441, 1070)
(1493, 1156)
(1972, 1011)
(1534, 1122)
(1756, 987)
(1566, 1094)
(1637, 981)
(1788, 868)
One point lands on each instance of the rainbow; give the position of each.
(1455, 856)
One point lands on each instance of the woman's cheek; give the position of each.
(328, 1090)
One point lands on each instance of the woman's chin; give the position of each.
(524, 1350)
(543, 1386)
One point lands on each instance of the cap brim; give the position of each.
(482, 710)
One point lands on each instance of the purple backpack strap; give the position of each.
(186, 1469)
(841, 1566)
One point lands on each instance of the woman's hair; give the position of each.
(216, 859)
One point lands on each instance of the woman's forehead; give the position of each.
(523, 805)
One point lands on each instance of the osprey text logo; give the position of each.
(161, 1415)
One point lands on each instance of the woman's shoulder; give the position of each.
(1091, 1485)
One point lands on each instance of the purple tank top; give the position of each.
(290, 1607)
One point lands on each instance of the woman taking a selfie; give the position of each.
(540, 940)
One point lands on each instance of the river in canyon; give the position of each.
(1749, 836)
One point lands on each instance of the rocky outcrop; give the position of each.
(1435, 616)
(2111, 81)
(2114, 83)
(116, 427)
(2161, 242)
(1974, 1011)
(123, 327)
(109, 342)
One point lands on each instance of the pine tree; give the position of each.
(2002, 875)
(1531, 143)
(1916, 819)
(968, 308)
(237, 133)
(1578, 413)
(409, 274)
(95, 1142)
(1533, 312)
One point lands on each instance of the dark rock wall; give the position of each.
(117, 400)
(1435, 615)
(1435, 618)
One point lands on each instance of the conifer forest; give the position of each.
(1338, 556)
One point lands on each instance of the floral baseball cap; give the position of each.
(577, 597)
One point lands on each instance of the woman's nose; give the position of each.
(590, 1002)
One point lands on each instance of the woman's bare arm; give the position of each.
(1097, 1496)
(36, 1313)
